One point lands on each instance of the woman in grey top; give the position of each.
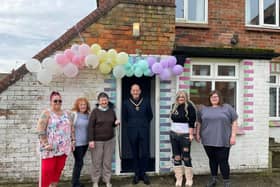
(81, 111)
(216, 128)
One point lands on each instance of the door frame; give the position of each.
(157, 129)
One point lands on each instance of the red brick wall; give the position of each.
(114, 30)
(224, 19)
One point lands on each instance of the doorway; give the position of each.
(147, 85)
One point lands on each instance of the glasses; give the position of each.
(214, 96)
(57, 101)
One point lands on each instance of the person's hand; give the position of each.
(232, 140)
(91, 144)
(73, 145)
(191, 137)
(197, 137)
(117, 122)
(48, 147)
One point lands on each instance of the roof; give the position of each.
(70, 34)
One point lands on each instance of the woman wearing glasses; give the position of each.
(183, 116)
(81, 111)
(217, 126)
(57, 139)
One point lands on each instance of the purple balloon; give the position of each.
(172, 61)
(164, 63)
(165, 74)
(177, 70)
(157, 68)
(151, 60)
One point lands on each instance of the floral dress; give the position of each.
(58, 134)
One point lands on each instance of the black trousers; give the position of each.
(181, 146)
(218, 156)
(140, 147)
(79, 154)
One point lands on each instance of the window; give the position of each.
(206, 77)
(274, 96)
(192, 11)
(264, 13)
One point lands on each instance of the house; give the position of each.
(227, 45)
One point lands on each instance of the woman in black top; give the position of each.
(183, 117)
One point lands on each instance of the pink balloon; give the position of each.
(69, 54)
(61, 59)
(84, 50)
(79, 61)
(164, 63)
(157, 68)
(177, 70)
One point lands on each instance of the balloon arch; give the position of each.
(69, 61)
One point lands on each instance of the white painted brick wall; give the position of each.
(27, 98)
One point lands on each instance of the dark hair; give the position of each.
(54, 93)
(221, 100)
(102, 95)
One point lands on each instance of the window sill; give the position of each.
(262, 29)
(274, 123)
(192, 25)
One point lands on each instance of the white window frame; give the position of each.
(186, 20)
(213, 78)
(277, 86)
(261, 16)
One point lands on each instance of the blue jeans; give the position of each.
(181, 146)
(79, 154)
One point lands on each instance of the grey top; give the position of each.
(216, 125)
(81, 129)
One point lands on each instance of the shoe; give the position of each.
(226, 183)
(95, 184)
(108, 184)
(212, 181)
(135, 179)
(146, 180)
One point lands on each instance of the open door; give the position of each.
(147, 85)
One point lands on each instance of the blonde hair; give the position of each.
(176, 104)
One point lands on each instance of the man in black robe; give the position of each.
(137, 114)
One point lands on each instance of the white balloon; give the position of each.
(70, 70)
(119, 71)
(51, 65)
(44, 76)
(92, 61)
(33, 65)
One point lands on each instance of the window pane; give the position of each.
(272, 102)
(226, 70)
(199, 91)
(179, 9)
(269, 12)
(202, 70)
(252, 12)
(228, 90)
(272, 79)
(196, 10)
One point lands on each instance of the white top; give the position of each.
(180, 127)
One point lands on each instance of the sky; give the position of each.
(27, 26)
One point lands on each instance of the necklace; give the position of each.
(137, 106)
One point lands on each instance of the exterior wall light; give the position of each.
(136, 30)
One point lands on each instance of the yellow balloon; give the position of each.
(105, 68)
(95, 48)
(122, 58)
(102, 55)
(112, 53)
